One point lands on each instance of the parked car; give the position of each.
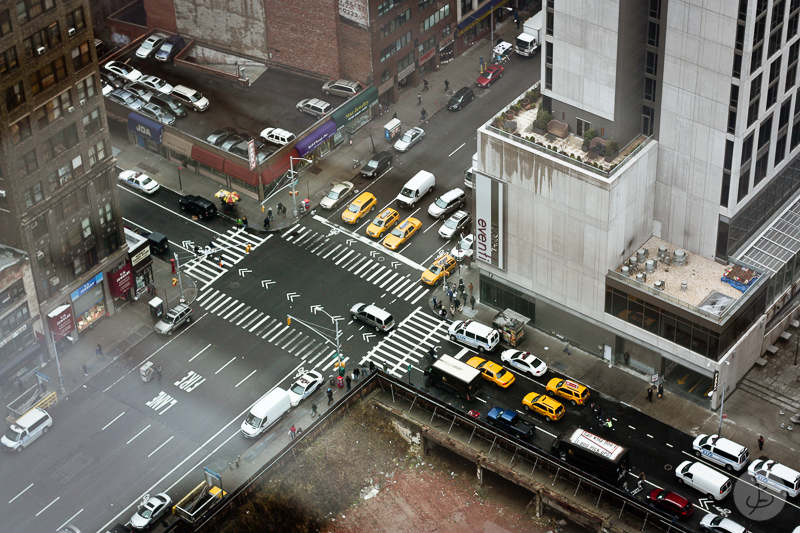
(375, 166)
(155, 83)
(125, 98)
(712, 523)
(455, 225)
(170, 48)
(139, 180)
(190, 97)
(178, 315)
(169, 102)
(409, 139)
(490, 75)
(156, 112)
(233, 140)
(112, 79)
(106, 87)
(197, 206)
(219, 135)
(525, 361)
(670, 502)
(277, 136)
(462, 97)
(314, 106)
(337, 194)
(463, 248)
(150, 510)
(123, 70)
(304, 386)
(342, 88)
(450, 201)
(139, 91)
(150, 45)
(242, 149)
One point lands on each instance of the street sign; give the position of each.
(211, 473)
(251, 151)
(42, 376)
(716, 380)
(654, 378)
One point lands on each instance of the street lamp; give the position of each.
(722, 403)
(491, 23)
(291, 167)
(62, 390)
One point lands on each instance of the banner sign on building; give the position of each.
(77, 293)
(356, 11)
(146, 127)
(121, 281)
(60, 321)
(489, 230)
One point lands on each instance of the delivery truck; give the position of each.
(529, 40)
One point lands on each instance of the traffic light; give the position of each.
(174, 281)
(288, 321)
(247, 248)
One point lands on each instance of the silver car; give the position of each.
(156, 83)
(125, 98)
(336, 196)
(150, 510)
(156, 112)
(342, 88)
(314, 106)
(150, 45)
(455, 224)
(409, 139)
(178, 315)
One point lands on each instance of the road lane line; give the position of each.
(48, 505)
(71, 518)
(132, 439)
(118, 416)
(457, 149)
(462, 353)
(431, 226)
(20, 493)
(198, 353)
(245, 379)
(164, 444)
(223, 366)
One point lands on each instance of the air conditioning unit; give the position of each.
(39, 254)
(71, 109)
(83, 101)
(54, 281)
(71, 32)
(40, 50)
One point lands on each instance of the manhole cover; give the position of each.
(667, 467)
(233, 285)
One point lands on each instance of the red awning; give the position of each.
(121, 281)
(207, 158)
(60, 321)
(243, 173)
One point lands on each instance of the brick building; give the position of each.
(58, 202)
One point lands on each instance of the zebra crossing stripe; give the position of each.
(226, 300)
(314, 241)
(333, 360)
(339, 254)
(369, 262)
(361, 258)
(400, 294)
(376, 272)
(388, 280)
(232, 315)
(258, 323)
(397, 283)
(280, 332)
(321, 353)
(462, 353)
(345, 256)
(298, 235)
(204, 294)
(214, 300)
(277, 325)
(301, 346)
(304, 237)
(291, 339)
(329, 253)
(228, 308)
(317, 247)
(421, 294)
(246, 321)
(379, 279)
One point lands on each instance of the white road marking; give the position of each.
(245, 378)
(457, 149)
(71, 518)
(48, 505)
(198, 353)
(132, 439)
(164, 444)
(117, 418)
(258, 323)
(20, 493)
(223, 366)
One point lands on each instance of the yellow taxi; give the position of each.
(576, 393)
(402, 233)
(550, 409)
(361, 206)
(440, 268)
(383, 222)
(493, 372)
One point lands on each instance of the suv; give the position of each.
(170, 48)
(460, 99)
(190, 97)
(277, 136)
(342, 88)
(314, 106)
(198, 206)
(169, 103)
(178, 315)
(450, 201)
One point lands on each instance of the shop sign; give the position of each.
(354, 10)
(446, 41)
(146, 127)
(489, 229)
(207, 158)
(310, 142)
(140, 256)
(427, 55)
(77, 293)
(13, 335)
(406, 71)
(179, 144)
(121, 281)
(60, 321)
(251, 153)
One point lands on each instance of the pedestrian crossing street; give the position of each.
(410, 341)
(206, 270)
(370, 269)
(310, 349)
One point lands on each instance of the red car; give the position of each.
(670, 503)
(490, 75)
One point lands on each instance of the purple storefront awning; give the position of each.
(315, 138)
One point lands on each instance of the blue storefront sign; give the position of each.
(77, 293)
(315, 138)
(145, 127)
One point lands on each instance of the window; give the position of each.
(97, 153)
(747, 148)
(15, 96)
(28, 163)
(791, 71)
(655, 9)
(53, 109)
(548, 53)
(48, 75)
(447, 31)
(744, 185)
(385, 76)
(12, 295)
(759, 30)
(795, 135)
(15, 319)
(61, 142)
(30, 9)
(406, 61)
(652, 33)
(103, 183)
(791, 26)
(739, 45)
(774, 41)
(8, 61)
(548, 78)
(60, 177)
(423, 4)
(650, 89)
(393, 48)
(755, 59)
(75, 19)
(427, 45)
(755, 94)
(21, 130)
(5, 22)
(737, 65)
(761, 168)
(106, 216)
(385, 7)
(651, 65)
(86, 227)
(550, 16)
(786, 113)
(81, 56)
(86, 88)
(92, 123)
(33, 195)
(778, 11)
(433, 19)
(732, 121)
(726, 174)
(764, 132)
(396, 22)
(73, 236)
(45, 38)
(780, 149)
(734, 96)
(774, 75)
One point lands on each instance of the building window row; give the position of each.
(28, 163)
(21, 130)
(395, 23)
(774, 77)
(97, 153)
(427, 45)
(60, 177)
(86, 88)
(53, 109)
(81, 56)
(48, 75)
(388, 5)
(42, 40)
(14, 320)
(62, 141)
(92, 123)
(8, 61)
(30, 9)
(406, 61)
(12, 295)
(395, 47)
(33, 195)
(791, 70)
(15, 96)
(429, 22)
(5, 22)
(71, 204)
(755, 100)
(425, 4)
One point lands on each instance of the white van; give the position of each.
(374, 316)
(704, 478)
(417, 187)
(775, 476)
(268, 410)
(26, 429)
(722, 451)
(474, 334)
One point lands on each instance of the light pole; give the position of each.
(491, 23)
(62, 390)
(291, 167)
(722, 403)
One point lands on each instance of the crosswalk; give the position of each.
(372, 268)
(410, 341)
(312, 351)
(206, 270)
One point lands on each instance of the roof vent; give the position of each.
(679, 257)
(641, 256)
(633, 264)
(626, 272)
(662, 252)
(658, 285)
(641, 278)
(684, 285)
(650, 266)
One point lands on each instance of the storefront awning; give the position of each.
(121, 281)
(355, 106)
(240, 172)
(207, 158)
(60, 321)
(308, 143)
(146, 127)
(479, 14)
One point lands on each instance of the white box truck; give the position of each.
(531, 37)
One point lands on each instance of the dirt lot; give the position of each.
(363, 476)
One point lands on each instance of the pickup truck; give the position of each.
(509, 421)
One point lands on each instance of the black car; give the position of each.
(460, 99)
(233, 140)
(198, 206)
(242, 150)
(380, 161)
(170, 103)
(112, 79)
(218, 136)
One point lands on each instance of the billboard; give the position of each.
(489, 219)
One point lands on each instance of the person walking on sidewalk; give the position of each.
(244, 221)
(453, 312)
(661, 390)
(446, 85)
(435, 302)
(313, 410)
(424, 85)
(356, 374)
(419, 98)
(347, 380)
(641, 481)
(269, 213)
(650, 394)
(423, 115)
(371, 367)
(470, 287)
(566, 349)
(158, 372)
(330, 397)
(292, 432)
(443, 313)
(98, 351)
(472, 301)
(85, 369)
(461, 286)
(266, 223)
(761, 442)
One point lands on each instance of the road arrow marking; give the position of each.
(395, 264)
(189, 245)
(366, 336)
(315, 308)
(337, 318)
(350, 241)
(704, 503)
(266, 283)
(291, 296)
(683, 379)
(373, 253)
(243, 271)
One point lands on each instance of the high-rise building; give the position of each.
(652, 212)
(58, 199)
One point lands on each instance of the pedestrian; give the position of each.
(760, 440)
(269, 213)
(356, 374)
(244, 221)
(98, 350)
(292, 432)
(446, 85)
(266, 223)
(461, 286)
(347, 380)
(472, 301)
(283, 211)
(85, 369)
(196, 251)
(424, 85)
(661, 390)
(423, 115)
(566, 349)
(650, 394)
(330, 396)
(158, 372)
(450, 295)
(599, 412)
(453, 311)
(419, 99)
(641, 481)
(443, 313)
(435, 302)
(470, 287)
(516, 19)
(279, 208)
(457, 303)
(313, 410)
(371, 367)
(394, 116)
(627, 358)
(238, 222)
(299, 431)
